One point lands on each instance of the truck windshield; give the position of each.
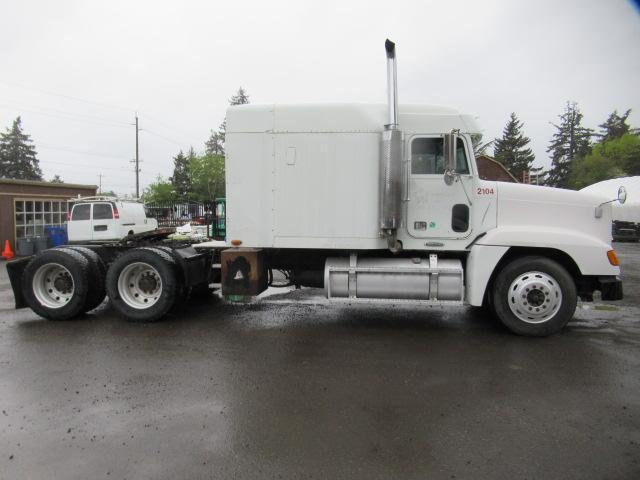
(427, 156)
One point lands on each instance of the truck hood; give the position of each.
(532, 206)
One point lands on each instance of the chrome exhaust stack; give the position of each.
(391, 159)
(392, 83)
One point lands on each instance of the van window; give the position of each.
(427, 157)
(102, 211)
(81, 212)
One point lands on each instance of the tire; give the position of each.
(534, 296)
(151, 288)
(55, 284)
(97, 277)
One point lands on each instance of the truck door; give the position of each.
(102, 223)
(435, 209)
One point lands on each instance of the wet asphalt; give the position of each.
(304, 389)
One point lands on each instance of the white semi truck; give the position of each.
(372, 203)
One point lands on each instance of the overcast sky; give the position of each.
(177, 63)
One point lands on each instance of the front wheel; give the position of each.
(534, 296)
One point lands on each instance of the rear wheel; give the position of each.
(97, 277)
(55, 284)
(142, 284)
(534, 296)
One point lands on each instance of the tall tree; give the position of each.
(208, 177)
(56, 179)
(215, 144)
(18, 157)
(571, 141)
(615, 126)
(511, 150)
(181, 178)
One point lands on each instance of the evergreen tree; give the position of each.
(215, 144)
(18, 155)
(615, 126)
(57, 179)
(181, 178)
(511, 150)
(240, 98)
(570, 142)
(479, 148)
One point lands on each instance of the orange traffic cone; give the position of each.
(7, 254)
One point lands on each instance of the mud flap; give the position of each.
(15, 269)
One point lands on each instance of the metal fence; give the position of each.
(210, 214)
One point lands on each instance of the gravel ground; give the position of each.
(293, 387)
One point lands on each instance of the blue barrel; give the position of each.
(57, 235)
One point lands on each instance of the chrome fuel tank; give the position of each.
(420, 278)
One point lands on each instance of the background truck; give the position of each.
(372, 203)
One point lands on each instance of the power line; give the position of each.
(79, 119)
(91, 167)
(69, 97)
(48, 109)
(73, 150)
(181, 144)
(169, 127)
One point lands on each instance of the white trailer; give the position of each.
(379, 203)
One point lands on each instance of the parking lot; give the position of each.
(287, 389)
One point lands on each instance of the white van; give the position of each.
(106, 219)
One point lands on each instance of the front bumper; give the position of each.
(610, 287)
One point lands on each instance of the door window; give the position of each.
(81, 212)
(427, 157)
(102, 211)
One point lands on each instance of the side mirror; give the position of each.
(450, 141)
(622, 195)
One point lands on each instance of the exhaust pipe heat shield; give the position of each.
(390, 179)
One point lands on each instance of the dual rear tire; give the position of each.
(142, 284)
(63, 283)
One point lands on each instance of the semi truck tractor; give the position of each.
(370, 202)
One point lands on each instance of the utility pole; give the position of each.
(137, 160)
(100, 175)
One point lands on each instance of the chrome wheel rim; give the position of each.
(53, 285)
(139, 285)
(535, 297)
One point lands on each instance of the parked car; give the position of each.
(106, 219)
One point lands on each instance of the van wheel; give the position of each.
(55, 284)
(142, 284)
(97, 277)
(534, 296)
